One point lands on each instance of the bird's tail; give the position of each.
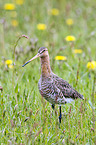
(78, 95)
(81, 97)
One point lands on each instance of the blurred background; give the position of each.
(68, 29)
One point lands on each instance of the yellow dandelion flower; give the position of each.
(77, 51)
(14, 14)
(91, 65)
(54, 12)
(70, 38)
(9, 6)
(14, 23)
(10, 66)
(19, 2)
(8, 62)
(69, 22)
(41, 26)
(60, 58)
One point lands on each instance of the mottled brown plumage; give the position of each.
(53, 88)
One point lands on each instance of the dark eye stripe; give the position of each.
(42, 51)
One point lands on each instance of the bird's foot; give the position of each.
(60, 118)
(53, 106)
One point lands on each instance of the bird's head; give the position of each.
(42, 52)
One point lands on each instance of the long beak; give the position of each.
(37, 55)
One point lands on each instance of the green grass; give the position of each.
(25, 117)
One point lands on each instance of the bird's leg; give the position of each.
(53, 106)
(60, 115)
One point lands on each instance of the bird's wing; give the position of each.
(51, 92)
(66, 88)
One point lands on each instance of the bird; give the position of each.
(53, 88)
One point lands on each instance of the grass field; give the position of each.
(25, 117)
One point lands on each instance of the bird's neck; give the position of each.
(45, 66)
